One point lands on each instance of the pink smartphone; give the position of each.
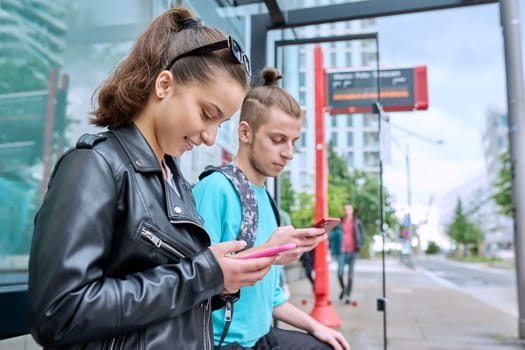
(327, 223)
(269, 251)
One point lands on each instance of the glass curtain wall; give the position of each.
(53, 56)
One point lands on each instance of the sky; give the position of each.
(463, 51)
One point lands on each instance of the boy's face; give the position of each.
(272, 145)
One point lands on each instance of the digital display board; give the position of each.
(356, 90)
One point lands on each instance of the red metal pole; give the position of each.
(323, 310)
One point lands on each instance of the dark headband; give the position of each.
(188, 23)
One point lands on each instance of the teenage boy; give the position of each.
(270, 124)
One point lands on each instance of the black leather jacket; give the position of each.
(118, 258)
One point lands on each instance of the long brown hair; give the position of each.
(125, 93)
(260, 99)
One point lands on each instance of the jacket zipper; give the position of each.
(228, 312)
(112, 343)
(159, 243)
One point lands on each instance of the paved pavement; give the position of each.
(422, 312)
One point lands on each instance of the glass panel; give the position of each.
(350, 159)
(53, 56)
(349, 119)
(350, 139)
(298, 4)
(371, 139)
(333, 139)
(333, 121)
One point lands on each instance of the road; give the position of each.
(437, 305)
(493, 285)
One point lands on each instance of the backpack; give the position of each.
(250, 216)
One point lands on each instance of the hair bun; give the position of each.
(270, 76)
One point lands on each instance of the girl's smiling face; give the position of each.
(184, 116)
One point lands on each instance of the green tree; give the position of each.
(503, 186)
(358, 188)
(463, 231)
(339, 182)
(362, 191)
(304, 211)
(432, 248)
(286, 192)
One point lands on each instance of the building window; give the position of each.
(348, 59)
(302, 59)
(350, 139)
(333, 138)
(302, 140)
(502, 144)
(368, 58)
(369, 22)
(370, 121)
(371, 159)
(349, 120)
(350, 159)
(371, 139)
(333, 59)
(302, 79)
(333, 121)
(302, 97)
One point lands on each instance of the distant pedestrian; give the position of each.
(345, 241)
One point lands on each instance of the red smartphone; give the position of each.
(327, 223)
(269, 251)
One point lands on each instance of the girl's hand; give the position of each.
(239, 273)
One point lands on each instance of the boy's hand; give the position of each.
(305, 240)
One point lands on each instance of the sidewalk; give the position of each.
(422, 313)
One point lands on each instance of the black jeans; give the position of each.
(280, 339)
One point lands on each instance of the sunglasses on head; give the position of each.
(235, 50)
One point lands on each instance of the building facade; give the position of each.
(495, 140)
(354, 137)
(476, 194)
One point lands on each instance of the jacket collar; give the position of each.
(143, 160)
(137, 149)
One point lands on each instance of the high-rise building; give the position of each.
(354, 137)
(476, 193)
(499, 231)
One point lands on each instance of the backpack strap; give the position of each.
(275, 209)
(240, 182)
